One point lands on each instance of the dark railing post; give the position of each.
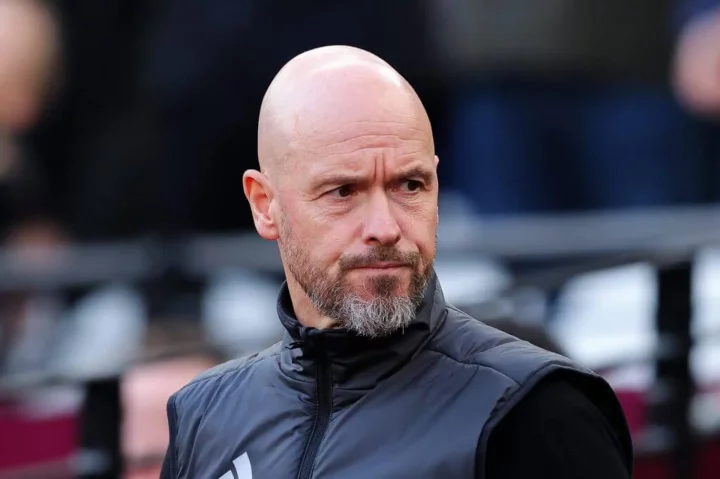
(674, 387)
(100, 425)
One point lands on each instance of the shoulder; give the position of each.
(470, 341)
(204, 386)
(237, 365)
(221, 384)
(536, 379)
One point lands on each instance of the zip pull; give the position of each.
(295, 345)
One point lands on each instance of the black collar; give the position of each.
(356, 363)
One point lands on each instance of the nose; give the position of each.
(380, 226)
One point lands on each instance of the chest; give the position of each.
(424, 422)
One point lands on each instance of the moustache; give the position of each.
(377, 255)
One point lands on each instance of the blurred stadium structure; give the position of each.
(577, 204)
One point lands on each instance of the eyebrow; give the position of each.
(331, 179)
(420, 172)
(336, 179)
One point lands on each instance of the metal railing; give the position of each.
(559, 247)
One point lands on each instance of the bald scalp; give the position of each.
(320, 91)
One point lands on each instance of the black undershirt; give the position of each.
(555, 432)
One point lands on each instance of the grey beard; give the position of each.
(373, 318)
(377, 317)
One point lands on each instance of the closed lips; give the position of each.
(382, 266)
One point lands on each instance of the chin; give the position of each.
(382, 286)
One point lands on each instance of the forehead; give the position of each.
(338, 137)
(351, 120)
(359, 146)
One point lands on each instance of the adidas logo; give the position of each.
(241, 469)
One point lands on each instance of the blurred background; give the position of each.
(580, 179)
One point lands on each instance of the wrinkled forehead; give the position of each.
(347, 136)
(361, 151)
(353, 128)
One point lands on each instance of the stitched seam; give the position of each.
(470, 364)
(453, 308)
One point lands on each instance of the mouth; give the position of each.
(382, 266)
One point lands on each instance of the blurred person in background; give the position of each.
(561, 105)
(204, 71)
(207, 66)
(95, 141)
(146, 390)
(697, 58)
(29, 60)
(29, 70)
(377, 376)
(174, 355)
(697, 72)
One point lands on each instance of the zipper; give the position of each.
(323, 410)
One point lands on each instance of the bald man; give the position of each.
(697, 57)
(377, 377)
(28, 54)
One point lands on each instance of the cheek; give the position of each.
(336, 239)
(420, 227)
(324, 240)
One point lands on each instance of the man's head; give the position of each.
(174, 353)
(348, 187)
(146, 389)
(28, 56)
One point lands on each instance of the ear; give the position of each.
(259, 194)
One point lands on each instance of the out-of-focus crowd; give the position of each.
(122, 118)
(138, 117)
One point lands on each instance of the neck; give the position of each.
(305, 312)
(357, 363)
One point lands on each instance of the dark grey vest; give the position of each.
(327, 404)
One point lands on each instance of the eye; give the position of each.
(412, 185)
(342, 192)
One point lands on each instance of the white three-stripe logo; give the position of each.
(241, 469)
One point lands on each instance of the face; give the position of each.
(356, 213)
(145, 392)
